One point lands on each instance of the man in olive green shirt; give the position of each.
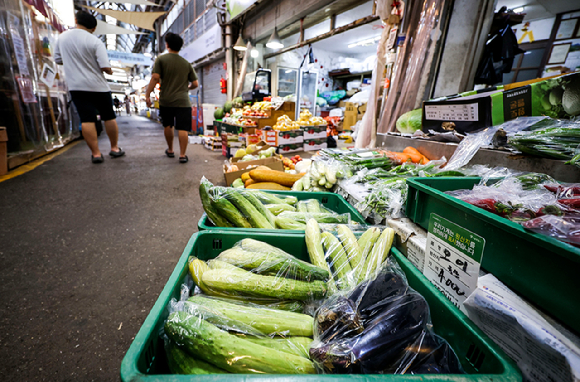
(177, 77)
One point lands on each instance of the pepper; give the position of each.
(570, 202)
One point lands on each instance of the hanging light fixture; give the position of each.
(274, 42)
(255, 53)
(240, 44)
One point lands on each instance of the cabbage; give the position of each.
(410, 122)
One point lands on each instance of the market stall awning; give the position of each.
(143, 20)
(105, 28)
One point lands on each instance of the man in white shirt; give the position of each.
(84, 57)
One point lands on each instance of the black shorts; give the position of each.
(179, 117)
(89, 104)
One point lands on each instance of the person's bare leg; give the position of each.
(90, 136)
(112, 133)
(169, 138)
(183, 141)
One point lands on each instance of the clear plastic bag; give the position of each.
(381, 326)
(216, 335)
(564, 228)
(322, 175)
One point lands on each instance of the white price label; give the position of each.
(468, 112)
(452, 259)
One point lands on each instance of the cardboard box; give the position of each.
(261, 147)
(315, 144)
(291, 148)
(472, 111)
(274, 163)
(270, 137)
(314, 132)
(350, 116)
(3, 151)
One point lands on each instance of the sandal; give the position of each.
(100, 159)
(184, 159)
(170, 155)
(117, 154)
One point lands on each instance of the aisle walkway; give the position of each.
(86, 249)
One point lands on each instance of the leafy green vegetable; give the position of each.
(410, 122)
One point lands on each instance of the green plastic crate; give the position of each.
(481, 358)
(540, 268)
(329, 200)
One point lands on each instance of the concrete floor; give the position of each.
(86, 249)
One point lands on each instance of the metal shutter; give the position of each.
(211, 75)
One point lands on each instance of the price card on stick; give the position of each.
(452, 259)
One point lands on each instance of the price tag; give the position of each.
(453, 259)
(453, 112)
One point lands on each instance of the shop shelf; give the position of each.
(540, 268)
(329, 200)
(481, 358)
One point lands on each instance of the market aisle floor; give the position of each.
(86, 249)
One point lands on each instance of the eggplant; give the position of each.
(370, 294)
(434, 356)
(337, 318)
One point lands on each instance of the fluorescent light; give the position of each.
(369, 41)
(518, 10)
(288, 71)
(254, 53)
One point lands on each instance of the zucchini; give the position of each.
(240, 282)
(227, 209)
(260, 207)
(293, 345)
(214, 216)
(180, 362)
(379, 253)
(322, 217)
(256, 219)
(266, 321)
(230, 352)
(287, 223)
(262, 257)
(277, 209)
(316, 252)
(302, 206)
(196, 269)
(313, 206)
(366, 243)
(268, 198)
(290, 200)
(350, 244)
(339, 261)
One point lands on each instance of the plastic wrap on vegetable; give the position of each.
(260, 272)
(349, 260)
(236, 339)
(381, 326)
(322, 175)
(564, 228)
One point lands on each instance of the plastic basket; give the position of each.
(540, 268)
(329, 200)
(481, 358)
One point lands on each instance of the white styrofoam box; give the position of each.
(195, 140)
(315, 144)
(208, 110)
(337, 112)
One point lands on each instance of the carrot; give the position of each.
(415, 158)
(400, 157)
(411, 150)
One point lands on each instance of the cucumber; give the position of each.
(266, 321)
(286, 305)
(379, 253)
(350, 244)
(292, 345)
(277, 209)
(322, 217)
(256, 219)
(313, 206)
(260, 257)
(316, 252)
(366, 243)
(214, 216)
(302, 207)
(335, 252)
(291, 199)
(287, 223)
(180, 362)
(229, 352)
(260, 207)
(227, 209)
(268, 198)
(240, 282)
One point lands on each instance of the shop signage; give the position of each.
(129, 58)
(453, 259)
(237, 7)
(207, 43)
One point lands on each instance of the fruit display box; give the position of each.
(314, 132)
(315, 144)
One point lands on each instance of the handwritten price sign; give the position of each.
(453, 259)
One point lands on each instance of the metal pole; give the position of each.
(229, 62)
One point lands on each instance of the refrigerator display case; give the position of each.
(286, 81)
(307, 91)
